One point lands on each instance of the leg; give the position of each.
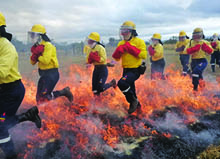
(10, 100)
(95, 81)
(198, 68)
(126, 85)
(212, 61)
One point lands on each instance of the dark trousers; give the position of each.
(157, 69)
(215, 59)
(198, 66)
(127, 83)
(99, 77)
(47, 82)
(11, 96)
(184, 59)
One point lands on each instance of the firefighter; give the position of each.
(184, 57)
(11, 92)
(131, 50)
(157, 58)
(198, 48)
(215, 57)
(44, 53)
(96, 55)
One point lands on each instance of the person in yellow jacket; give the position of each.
(44, 53)
(184, 57)
(198, 48)
(157, 58)
(215, 57)
(96, 55)
(131, 50)
(11, 92)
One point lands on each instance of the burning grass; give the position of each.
(174, 122)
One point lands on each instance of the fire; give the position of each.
(98, 124)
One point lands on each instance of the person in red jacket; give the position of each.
(198, 48)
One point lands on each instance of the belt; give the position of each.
(9, 85)
(100, 66)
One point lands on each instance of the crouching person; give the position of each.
(11, 92)
(44, 53)
(97, 56)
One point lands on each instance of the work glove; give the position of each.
(207, 48)
(214, 44)
(151, 50)
(131, 49)
(118, 52)
(36, 51)
(179, 49)
(34, 57)
(93, 56)
(193, 49)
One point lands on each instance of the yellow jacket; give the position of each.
(182, 43)
(130, 61)
(158, 48)
(101, 52)
(48, 60)
(199, 54)
(8, 62)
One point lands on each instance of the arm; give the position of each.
(8, 55)
(143, 53)
(207, 48)
(45, 58)
(194, 49)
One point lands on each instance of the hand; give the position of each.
(207, 48)
(131, 49)
(151, 50)
(214, 44)
(193, 49)
(93, 56)
(118, 52)
(37, 49)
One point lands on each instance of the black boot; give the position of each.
(31, 115)
(113, 83)
(133, 105)
(66, 92)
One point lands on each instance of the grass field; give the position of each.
(171, 58)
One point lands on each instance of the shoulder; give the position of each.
(138, 40)
(99, 48)
(5, 44)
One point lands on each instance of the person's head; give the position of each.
(3, 32)
(37, 34)
(198, 34)
(215, 37)
(156, 38)
(128, 30)
(182, 35)
(93, 39)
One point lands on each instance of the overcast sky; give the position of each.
(73, 20)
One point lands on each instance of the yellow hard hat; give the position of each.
(197, 30)
(2, 20)
(128, 25)
(94, 36)
(38, 28)
(215, 34)
(157, 36)
(182, 33)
